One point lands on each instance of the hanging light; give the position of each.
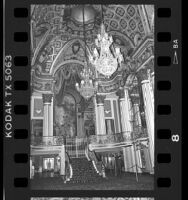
(86, 88)
(106, 57)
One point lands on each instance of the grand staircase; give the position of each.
(83, 171)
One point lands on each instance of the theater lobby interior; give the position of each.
(92, 97)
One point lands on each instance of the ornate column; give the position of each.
(125, 109)
(96, 116)
(50, 123)
(100, 114)
(136, 103)
(47, 120)
(148, 98)
(137, 128)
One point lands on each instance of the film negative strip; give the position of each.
(92, 100)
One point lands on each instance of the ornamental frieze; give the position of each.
(42, 50)
(38, 73)
(37, 86)
(110, 88)
(47, 52)
(145, 55)
(112, 85)
(42, 85)
(141, 56)
(146, 47)
(72, 52)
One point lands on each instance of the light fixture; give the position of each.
(86, 88)
(106, 57)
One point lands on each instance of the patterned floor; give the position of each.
(125, 182)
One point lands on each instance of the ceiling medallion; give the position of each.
(106, 57)
(88, 11)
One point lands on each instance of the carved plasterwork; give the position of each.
(57, 40)
(142, 56)
(47, 98)
(100, 99)
(143, 74)
(121, 93)
(41, 84)
(125, 19)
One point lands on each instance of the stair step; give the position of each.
(83, 171)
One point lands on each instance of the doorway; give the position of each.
(48, 164)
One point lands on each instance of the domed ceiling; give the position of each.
(127, 19)
(57, 32)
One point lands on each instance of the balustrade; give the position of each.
(76, 146)
(47, 140)
(110, 139)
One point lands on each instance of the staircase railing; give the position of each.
(68, 168)
(98, 165)
(76, 147)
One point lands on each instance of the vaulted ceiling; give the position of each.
(126, 19)
(57, 32)
(131, 21)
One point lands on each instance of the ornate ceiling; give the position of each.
(57, 34)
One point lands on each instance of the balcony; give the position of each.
(115, 141)
(47, 140)
(94, 141)
(110, 139)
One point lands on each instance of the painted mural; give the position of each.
(65, 117)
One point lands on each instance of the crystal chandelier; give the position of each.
(86, 88)
(105, 57)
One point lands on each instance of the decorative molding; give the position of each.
(142, 74)
(100, 99)
(111, 86)
(47, 98)
(121, 93)
(147, 46)
(60, 42)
